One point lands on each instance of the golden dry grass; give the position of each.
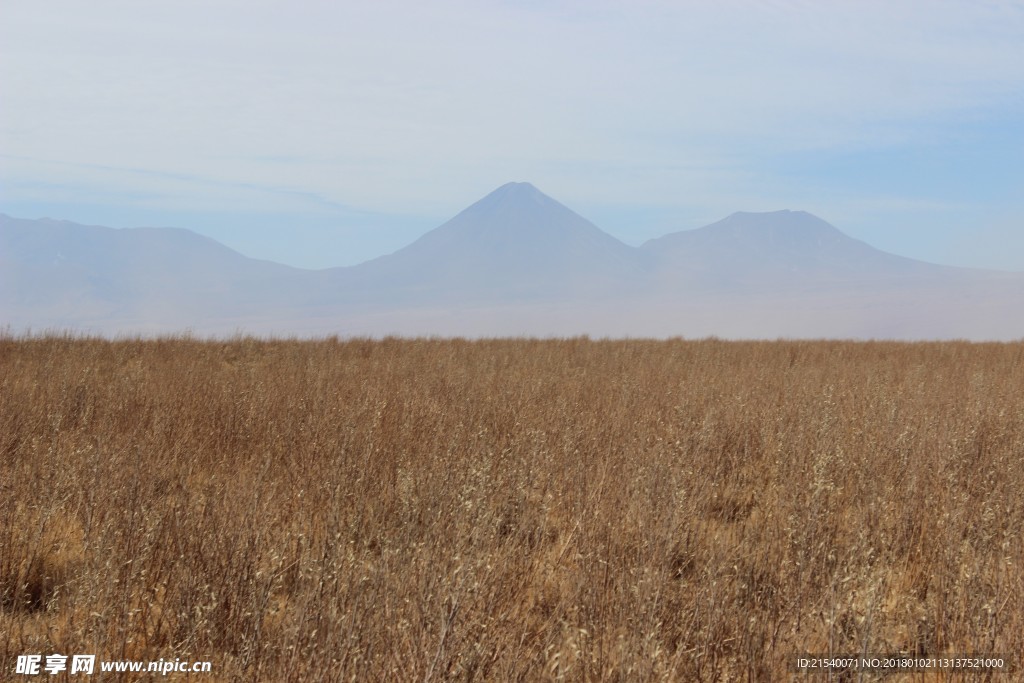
(509, 510)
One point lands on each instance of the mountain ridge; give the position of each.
(514, 262)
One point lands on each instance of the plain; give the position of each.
(509, 509)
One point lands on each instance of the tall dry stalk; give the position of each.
(508, 509)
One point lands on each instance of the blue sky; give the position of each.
(326, 133)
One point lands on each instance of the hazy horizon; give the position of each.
(415, 237)
(327, 135)
(516, 262)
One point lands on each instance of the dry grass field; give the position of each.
(428, 510)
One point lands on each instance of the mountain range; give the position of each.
(518, 263)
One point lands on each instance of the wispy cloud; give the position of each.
(419, 107)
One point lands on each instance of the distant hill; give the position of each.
(58, 274)
(515, 244)
(516, 262)
(780, 249)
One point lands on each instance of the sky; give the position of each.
(326, 133)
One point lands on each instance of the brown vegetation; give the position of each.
(509, 510)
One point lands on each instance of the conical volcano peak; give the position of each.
(519, 186)
(514, 239)
(519, 211)
(515, 194)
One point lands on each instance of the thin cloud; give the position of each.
(401, 106)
